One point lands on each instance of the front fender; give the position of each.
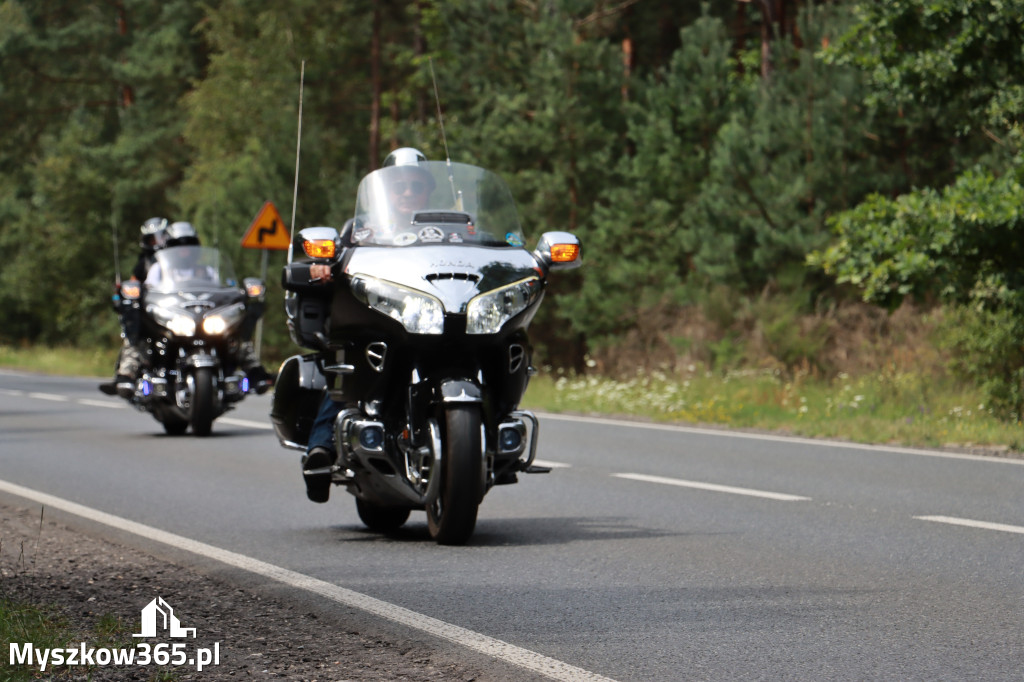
(197, 360)
(459, 391)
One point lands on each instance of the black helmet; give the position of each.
(152, 234)
(182, 234)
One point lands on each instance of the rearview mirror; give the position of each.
(315, 243)
(559, 251)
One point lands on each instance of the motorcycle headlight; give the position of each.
(419, 313)
(214, 325)
(486, 313)
(178, 324)
(223, 320)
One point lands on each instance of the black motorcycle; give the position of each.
(421, 339)
(194, 317)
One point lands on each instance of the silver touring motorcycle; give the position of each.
(193, 318)
(421, 343)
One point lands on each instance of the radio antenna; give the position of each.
(298, 148)
(444, 138)
(117, 250)
(440, 117)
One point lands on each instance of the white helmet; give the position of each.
(182, 234)
(404, 156)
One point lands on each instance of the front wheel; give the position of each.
(174, 427)
(203, 401)
(452, 517)
(379, 518)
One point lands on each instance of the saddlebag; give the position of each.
(298, 392)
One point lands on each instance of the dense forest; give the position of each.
(741, 165)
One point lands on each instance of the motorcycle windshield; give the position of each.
(180, 268)
(435, 202)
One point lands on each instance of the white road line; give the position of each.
(49, 396)
(724, 433)
(553, 465)
(524, 658)
(8, 391)
(245, 422)
(713, 487)
(1006, 528)
(101, 403)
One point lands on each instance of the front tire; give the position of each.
(174, 427)
(381, 519)
(452, 517)
(203, 400)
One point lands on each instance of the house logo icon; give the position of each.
(159, 614)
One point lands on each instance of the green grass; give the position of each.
(21, 623)
(889, 406)
(65, 361)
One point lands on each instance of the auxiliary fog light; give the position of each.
(371, 437)
(509, 439)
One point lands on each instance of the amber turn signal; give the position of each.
(131, 289)
(564, 253)
(319, 248)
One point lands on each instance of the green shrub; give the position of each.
(988, 351)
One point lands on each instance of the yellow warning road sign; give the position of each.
(267, 231)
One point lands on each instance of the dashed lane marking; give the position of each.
(244, 422)
(101, 403)
(50, 396)
(1006, 528)
(553, 465)
(495, 648)
(714, 487)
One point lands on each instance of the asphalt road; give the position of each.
(648, 554)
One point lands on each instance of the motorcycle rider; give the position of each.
(408, 190)
(152, 235)
(181, 234)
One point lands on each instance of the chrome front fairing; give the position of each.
(454, 274)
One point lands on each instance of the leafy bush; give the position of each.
(987, 351)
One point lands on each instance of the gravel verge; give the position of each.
(261, 635)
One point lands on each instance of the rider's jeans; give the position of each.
(322, 432)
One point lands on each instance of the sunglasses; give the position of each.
(414, 186)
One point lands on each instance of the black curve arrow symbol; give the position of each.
(268, 231)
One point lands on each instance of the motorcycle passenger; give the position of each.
(152, 235)
(408, 190)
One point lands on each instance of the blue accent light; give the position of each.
(371, 437)
(147, 388)
(245, 384)
(510, 439)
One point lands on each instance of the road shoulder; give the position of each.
(85, 577)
